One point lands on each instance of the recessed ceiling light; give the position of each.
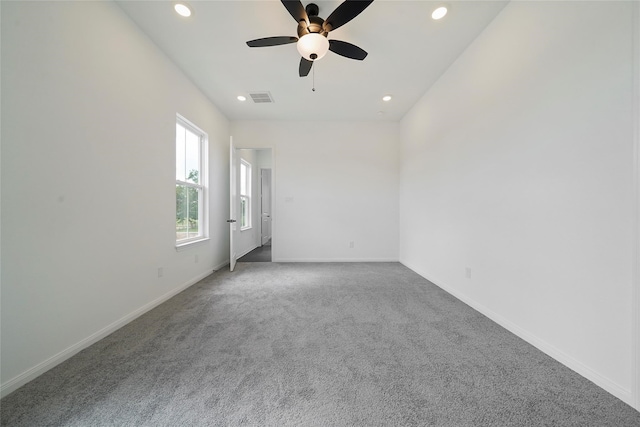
(386, 98)
(439, 13)
(182, 9)
(242, 98)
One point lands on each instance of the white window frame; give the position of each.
(203, 179)
(245, 197)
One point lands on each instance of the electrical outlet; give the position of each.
(160, 272)
(352, 244)
(468, 272)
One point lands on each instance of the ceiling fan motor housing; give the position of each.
(316, 25)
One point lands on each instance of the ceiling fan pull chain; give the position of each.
(313, 76)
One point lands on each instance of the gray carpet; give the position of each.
(313, 345)
(259, 254)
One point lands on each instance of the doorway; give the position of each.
(253, 172)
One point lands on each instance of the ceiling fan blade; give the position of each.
(296, 9)
(305, 67)
(345, 13)
(271, 41)
(347, 50)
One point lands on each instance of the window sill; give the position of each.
(187, 245)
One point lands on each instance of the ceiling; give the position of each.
(408, 52)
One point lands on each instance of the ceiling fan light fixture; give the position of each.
(313, 46)
(182, 9)
(439, 12)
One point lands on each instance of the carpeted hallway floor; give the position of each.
(353, 344)
(259, 254)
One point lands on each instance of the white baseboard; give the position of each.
(570, 362)
(221, 265)
(335, 260)
(34, 372)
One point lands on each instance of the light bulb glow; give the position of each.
(313, 44)
(386, 98)
(242, 98)
(439, 13)
(182, 9)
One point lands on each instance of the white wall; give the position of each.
(88, 158)
(334, 183)
(264, 159)
(518, 163)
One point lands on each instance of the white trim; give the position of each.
(274, 215)
(203, 186)
(186, 245)
(39, 369)
(274, 194)
(261, 201)
(635, 328)
(190, 184)
(615, 389)
(220, 266)
(246, 177)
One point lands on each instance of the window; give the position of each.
(191, 215)
(245, 194)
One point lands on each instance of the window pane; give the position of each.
(192, 157)
(248, 180)
(243, 179)
(243, 212)
(193, 202)
(180, 150)
(181, 212)
(191, 219)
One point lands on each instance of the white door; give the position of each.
(233, 204)
(265, 193)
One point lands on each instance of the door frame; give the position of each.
(233, 203)
(233, 145)
(262, 202)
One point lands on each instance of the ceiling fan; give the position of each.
(312, 39)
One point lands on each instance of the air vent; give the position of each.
(261, 97)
